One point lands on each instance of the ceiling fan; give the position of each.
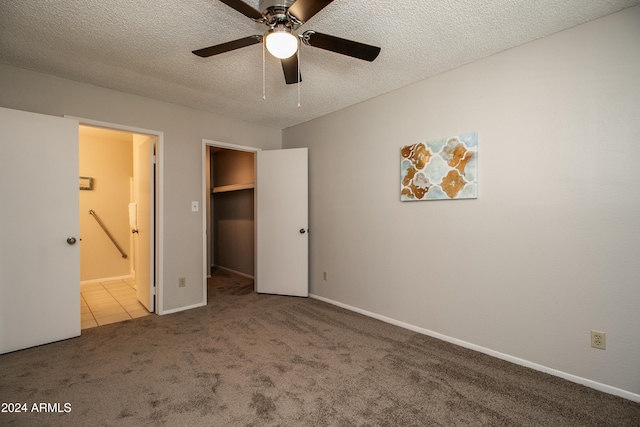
(283, 17)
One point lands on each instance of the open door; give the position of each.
(144, 239)
(39, 241)
(282, 235)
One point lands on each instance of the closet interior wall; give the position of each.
(232, 210)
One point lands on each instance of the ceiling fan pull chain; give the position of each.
(264, 84)
(298, 76)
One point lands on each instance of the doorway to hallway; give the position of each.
(117, 224)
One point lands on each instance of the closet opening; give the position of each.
(256, 220)
(230, 212)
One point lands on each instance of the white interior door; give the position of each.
(282, 229)
(39, 227)
(144, 239)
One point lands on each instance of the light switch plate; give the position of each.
(194, 206)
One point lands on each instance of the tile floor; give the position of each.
(109, 302)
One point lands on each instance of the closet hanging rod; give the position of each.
(95, 216)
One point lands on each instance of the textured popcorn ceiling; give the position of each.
(144, 47)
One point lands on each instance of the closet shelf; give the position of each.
(232, 187)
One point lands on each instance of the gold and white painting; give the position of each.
(444, 168)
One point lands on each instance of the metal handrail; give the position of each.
(95, 216)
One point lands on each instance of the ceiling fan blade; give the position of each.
(243, 8)
(343, 46)
(290, 67)
(305, 9)
(228, 46)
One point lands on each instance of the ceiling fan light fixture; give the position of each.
(281, 43)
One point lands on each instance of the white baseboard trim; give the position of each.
(522, 362)
(176, 310)
(233, 271)
(104, 279)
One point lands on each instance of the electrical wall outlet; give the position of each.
(182, 282)
(598, 340)
(325, 276)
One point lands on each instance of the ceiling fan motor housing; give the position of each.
(278, 4)
(275, 12)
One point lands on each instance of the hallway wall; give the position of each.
(107, 157)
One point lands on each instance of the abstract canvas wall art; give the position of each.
(444, 168)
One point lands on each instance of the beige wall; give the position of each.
(180, 159)
(550, 248)
(107, 157)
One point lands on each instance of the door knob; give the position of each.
(71, 240)
(302, 231)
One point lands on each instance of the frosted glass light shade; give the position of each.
(281, 43)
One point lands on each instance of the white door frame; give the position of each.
(206, 194)
(159, 247)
